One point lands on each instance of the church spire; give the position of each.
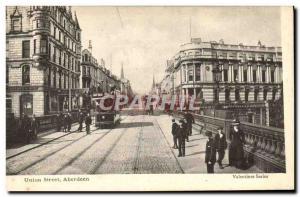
(153, 83)
(122, 72)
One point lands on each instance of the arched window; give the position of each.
(25, 74)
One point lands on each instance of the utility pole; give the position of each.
(70, 93)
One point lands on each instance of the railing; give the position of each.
(264, 145)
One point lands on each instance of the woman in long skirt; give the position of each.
(236, 151)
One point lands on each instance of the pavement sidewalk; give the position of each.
(42, 138)
(194, 160)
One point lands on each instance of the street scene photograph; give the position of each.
(144, 90)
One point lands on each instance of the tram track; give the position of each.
(110, 150)
(56, 151)
(170, 147)
(137, 155)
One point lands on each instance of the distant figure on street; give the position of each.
(151, 109)
(181, 139)
(174, 130)
(25, 127)
(221, 145)
(80, 120)
(59, 121)
(88, 122)
(69, 121)
(21, 124)
(190, 120)
(65, 122)
(236, 151)
(33, 127)
(210, 153)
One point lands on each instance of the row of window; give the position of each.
(63, 80)
(232, 55)
(62, 20)
(64, 39)
(247, 91)
(190, 75)
(62, 59)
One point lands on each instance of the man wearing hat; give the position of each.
(221, 145)
(236, 151)
(174, 133)
(210, 153)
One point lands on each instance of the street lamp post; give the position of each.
(217, 78)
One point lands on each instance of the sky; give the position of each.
(143, 38)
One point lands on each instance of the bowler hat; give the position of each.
(235, 122)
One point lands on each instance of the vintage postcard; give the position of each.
(124, 98)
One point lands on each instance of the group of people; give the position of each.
(215, 145)
(218, 144)
(181, 132)
(65, 121)
(28, 126)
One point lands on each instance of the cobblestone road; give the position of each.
(137, 145)
(141, 144)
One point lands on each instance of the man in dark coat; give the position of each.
(59, 120)
(210, 153)
(69, 121)
(33, 127)
(25, 127)
(80, 120)
(88, 122)
(221, 145)
(236, 151)
(190, 120)
(185, 130)
(181, 139)
(174, 130)
(65, 122)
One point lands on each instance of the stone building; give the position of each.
(230, 75)
(43, 47)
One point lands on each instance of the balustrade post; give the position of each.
(273, 146)
(278, 149)
(282, 153)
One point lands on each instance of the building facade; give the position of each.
(216, 72)
(43, 47)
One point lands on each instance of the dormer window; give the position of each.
(16, 24)
(16, 21)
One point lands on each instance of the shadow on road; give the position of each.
(196, 153)
(198, 139)
(134, 124)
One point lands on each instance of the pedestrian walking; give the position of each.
(33, 127)
(181, 139)
(236, 151)
(88, 122)
(59, 121)
(190, 120)
(80, 120)
(69, 121)
(174, 130)
(210, 153)
(65, 122)
(25, 127)
(185, 130)
(221, 145)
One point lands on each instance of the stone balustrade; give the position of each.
(264, 146)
